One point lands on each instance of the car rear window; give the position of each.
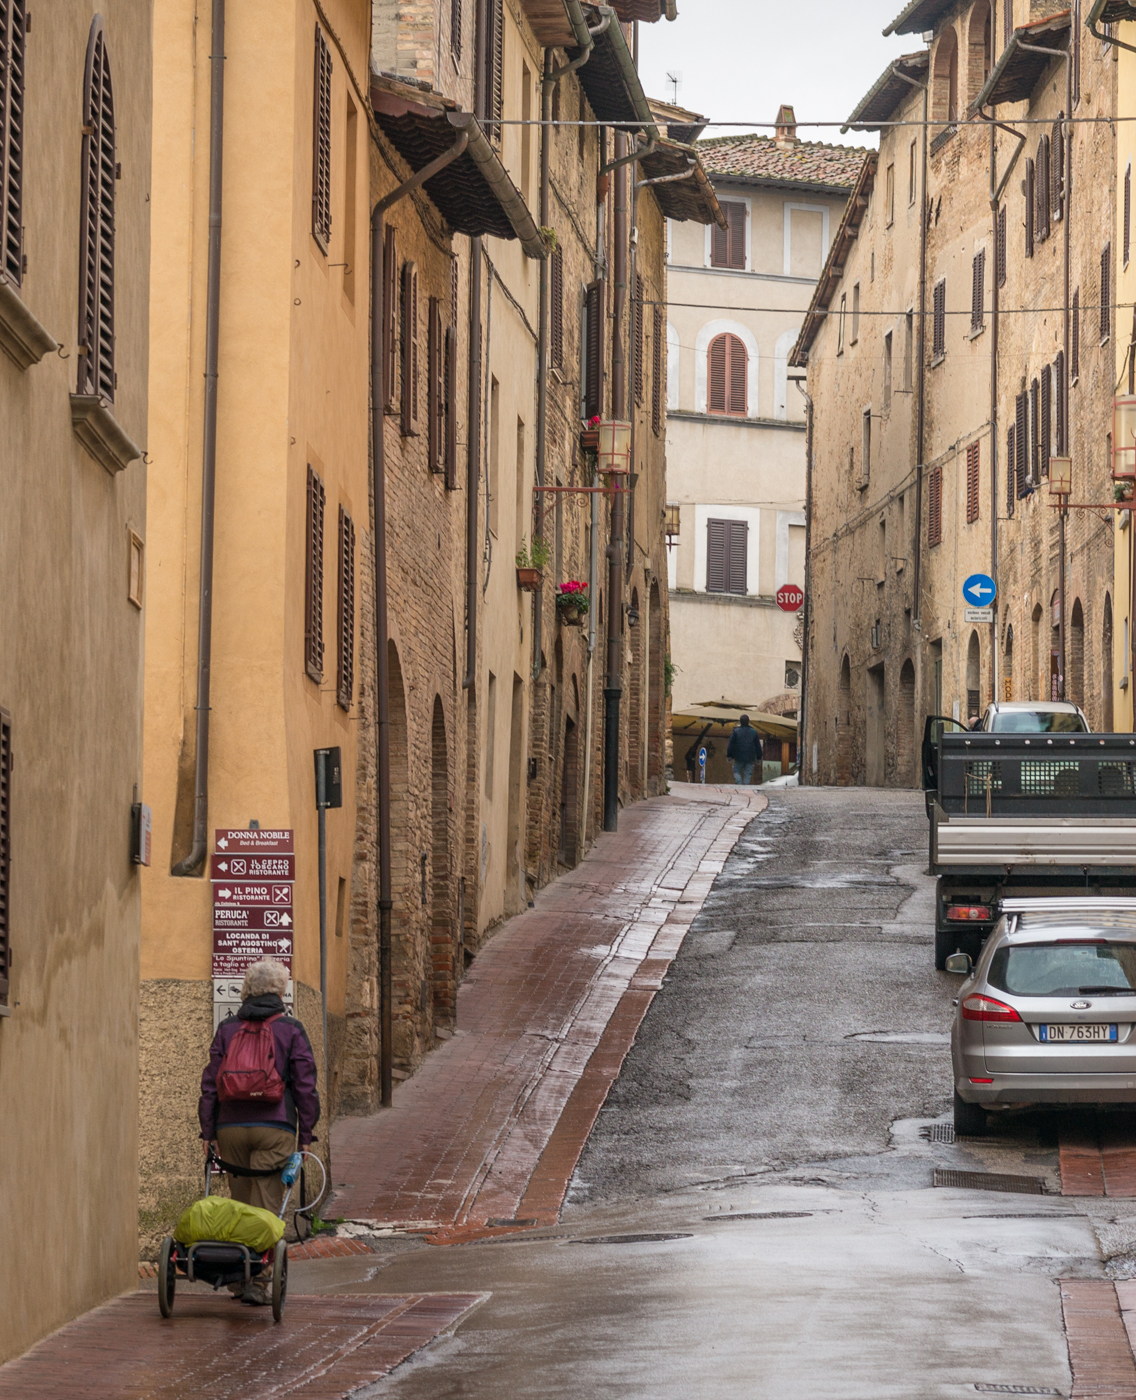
(1037, 722)
(1064, 969)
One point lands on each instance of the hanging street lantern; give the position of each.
(1124, 436)
(613, 451)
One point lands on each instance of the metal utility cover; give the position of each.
(989, 1181)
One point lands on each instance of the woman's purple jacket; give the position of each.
(295, 1064)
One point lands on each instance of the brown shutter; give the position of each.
(494, 67)
(346, 687)
(1007, 22)
(977, 289)
(1057, 168)
(1127, 250)
(435, 397)
(456, 29)
(1000, 252)
(390, 316)
(1030, 200)
(1011, 490)
(556, 317)
(13, 28)
(736, 381)
(1075, 347)
(1021, 440)
(939, 320)
(1106, 293)
(737, 219)
(1035, 426)
(95, 374)
(1076, 51)
(593, 351)
(1045, 434)
(720, 241)
(972, 483)
(638, 313)
(409, 403)
(321, 145)
(451, 408)
(737, 532)
(717, 545)
(5, 853)
(1061, 397)
(657, 386)
(716, 401)
(1043, 192)
(935, 506)
(313, 580)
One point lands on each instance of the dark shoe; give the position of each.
(255, 1296)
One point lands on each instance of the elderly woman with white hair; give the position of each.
(259, 1096)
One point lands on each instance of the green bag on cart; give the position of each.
(219, 1218)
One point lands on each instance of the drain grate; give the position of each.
(501, 1223)
(1016, 1389)
(762, 1215)
(631, 1239)
(989, 1181)
(937, 1132)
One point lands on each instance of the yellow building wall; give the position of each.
(1124, 692)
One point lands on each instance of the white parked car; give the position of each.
(1034, 717)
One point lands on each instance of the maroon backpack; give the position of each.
(248, 1069)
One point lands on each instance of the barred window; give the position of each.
(313, 579)
(321, 145)
(13, 29)
(95, 373)
(345, 688)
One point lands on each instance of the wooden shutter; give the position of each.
(1127, 246)
(556, 313)
(456, 29)
(637, 311)
(313, 579)
(451, 408)
(1043, 191)
(1106, 293)
(977, 289)
(321, 145)
(1075, 338)
(727, 364)
(935, 506)
(409, 402)
(1045, 433)
(435, 395)
(716, 375)
(1021, 440)
(1000, 251)
(593, 350)
(1030, 201)
(1035, 430)
(728, 245)
(346, 687)
(972, 483)
(13, 29)
(390, 316)
(939, 320)
(1007, 21)
(737, 534)
(657, 385)
(1057, 168)
(726, 542)
(1061, 398)
(494, 67)
(1011, 478)
(736, 384)
(5, 854)
(95, 374)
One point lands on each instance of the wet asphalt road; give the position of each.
(773, 1122)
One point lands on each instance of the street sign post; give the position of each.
(980, 590)
(253, 874)
(702, 764)
(790, 598)
(978, 614)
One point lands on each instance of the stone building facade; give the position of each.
(952, 351)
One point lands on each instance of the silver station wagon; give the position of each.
(1048, 1013)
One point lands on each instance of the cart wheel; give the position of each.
(167, 1277)
(279, 1280)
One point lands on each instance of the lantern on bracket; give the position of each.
(1060, 476)
(613, 451)
(1124, 436)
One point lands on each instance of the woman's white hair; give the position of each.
(268, 975)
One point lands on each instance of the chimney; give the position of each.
(786, 128)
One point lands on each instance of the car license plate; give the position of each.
(1082, 1032)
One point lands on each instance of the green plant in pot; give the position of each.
(531, 561)
(572, 601)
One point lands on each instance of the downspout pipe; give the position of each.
(473, 456)
(802, 745)
(613, 690)
(379, 560)
(193, 862)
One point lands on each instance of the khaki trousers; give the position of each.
(257, 1148)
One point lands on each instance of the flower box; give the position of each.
(528, 579)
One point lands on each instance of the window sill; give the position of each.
(22, 337)
(938, 360)
(976, 331)
(94, 424)
(862, 483)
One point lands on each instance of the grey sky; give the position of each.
(740, 59)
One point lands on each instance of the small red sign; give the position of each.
(790, 598)
(225, 866)
(254, 842)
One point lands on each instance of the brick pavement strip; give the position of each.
(493, 1123)
(1099, 1338)
(324, 1349)
(1098, 1162)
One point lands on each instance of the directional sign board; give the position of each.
(223, 866)
(979, 590)
(253, 874)
(790, 598)
(254, 842)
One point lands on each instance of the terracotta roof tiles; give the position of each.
(760, 158)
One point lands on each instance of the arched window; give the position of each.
(980, 48)
(726, 379)
(945, 91)
(96, 228)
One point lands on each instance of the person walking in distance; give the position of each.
(259, 1094)
(743, 751)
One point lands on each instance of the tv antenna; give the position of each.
(675, 80)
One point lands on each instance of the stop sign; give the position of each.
(790, 598)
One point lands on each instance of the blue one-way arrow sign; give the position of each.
(979, 590)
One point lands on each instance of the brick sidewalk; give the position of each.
(490, 1128)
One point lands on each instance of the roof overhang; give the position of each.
(1023, 61)
(647, 11)
(833, 269)
(895, 83)
(678, 123)
(682, 189)
(611, 82)
(475, 195)
(919, 16)
(556, 24)
(1110, 12)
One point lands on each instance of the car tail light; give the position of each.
(982, 1081)
(964, 912)
(980, 1008)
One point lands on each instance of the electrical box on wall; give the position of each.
(141, 824)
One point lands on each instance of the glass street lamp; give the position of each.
(613, 452)
(1124, 436)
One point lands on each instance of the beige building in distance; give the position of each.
(736, 427)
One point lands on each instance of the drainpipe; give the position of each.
(379, 553)
(473, 463)
(613, 690)
(593, 623)
(193, 862)
(803, 718)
